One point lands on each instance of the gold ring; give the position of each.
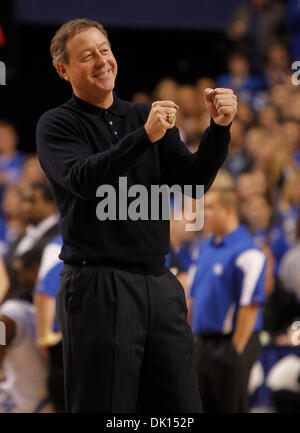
(171, 117)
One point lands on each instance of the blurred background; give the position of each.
(166, 49)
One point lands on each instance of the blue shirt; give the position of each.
(228, 275)
(187, 253)
(296, 156)
(275, 239)
(12, 169)
(3, 240)
(249, 90)
(49, 273)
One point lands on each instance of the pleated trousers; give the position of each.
(127, 346)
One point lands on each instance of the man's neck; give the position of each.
(230, 227)
(101, 101)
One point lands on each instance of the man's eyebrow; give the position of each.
(89, 49)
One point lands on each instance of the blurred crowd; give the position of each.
(263, 168)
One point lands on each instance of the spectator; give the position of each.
(184, 243)
(226, 293)
(238, 160)
(274, 379)
(39, 212)
(49, 338)
(11, 160)
(13, 224)
(289, 272)
(291, 132)
(272, 158)
(251, 183)
(24, 388)
(239, 78)
(141, 97)
(258, 217)
(269, 119)
(188, 115)
(200, 85)
(288, 208)
(223, 180)
(280, 96)
(32, 172)
(166, 90)
(255, 25)
(277, 68)
(245, 114)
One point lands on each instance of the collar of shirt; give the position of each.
(228, 238)
(118, 106)
(33, 233)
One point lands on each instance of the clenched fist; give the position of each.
(157, 122)
(221, 105)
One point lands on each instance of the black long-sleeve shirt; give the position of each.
(81, 146)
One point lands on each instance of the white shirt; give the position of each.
(25, 368)
(34, 233)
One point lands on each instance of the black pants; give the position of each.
(223, 373)
(126, 342)
(56, 378)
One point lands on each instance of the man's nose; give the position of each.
(100, 59)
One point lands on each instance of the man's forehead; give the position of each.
(86, 39)
(88, 46)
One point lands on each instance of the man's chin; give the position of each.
(106, 85)
(106, 88)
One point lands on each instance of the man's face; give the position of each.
(8, 140)
(33, 206)
(214, 213)
(92, 68)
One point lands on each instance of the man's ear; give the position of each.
(60, 67)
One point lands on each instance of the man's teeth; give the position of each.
(102, 73)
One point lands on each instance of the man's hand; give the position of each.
(157, 122)
(221, 105)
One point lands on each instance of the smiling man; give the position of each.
(127, 344)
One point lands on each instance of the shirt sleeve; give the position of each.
(14, 311)
(182, 167)
(250, 266)
(49, 285)
(65, 157)
(49, 272)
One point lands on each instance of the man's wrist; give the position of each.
(216, 125)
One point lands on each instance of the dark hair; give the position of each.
(45, 190)
(5, 123)
(228, 197)
(67, 31)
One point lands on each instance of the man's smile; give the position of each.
(101, 74)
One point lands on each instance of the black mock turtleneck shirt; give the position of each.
(82, 147)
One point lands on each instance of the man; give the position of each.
(39, 212)
(24, 386)
(49, 338)
(127, 345)
(226, 293)
(11, 160)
